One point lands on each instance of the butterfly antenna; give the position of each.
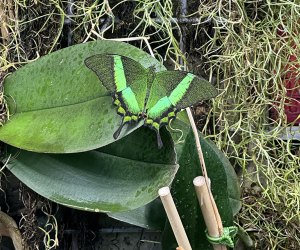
(118, 131)
(159, 141)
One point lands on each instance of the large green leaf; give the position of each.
(224, 184)
(115, 178)
(225, 189)
(58, 105)
(151, 216)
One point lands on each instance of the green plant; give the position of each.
(237, 45)
(58, 105)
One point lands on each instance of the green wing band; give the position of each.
(129, 99)
(120, 79)
(159, 108)
(168, 101)
(180, 90)
(128, 96)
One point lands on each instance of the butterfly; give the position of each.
(141, 93)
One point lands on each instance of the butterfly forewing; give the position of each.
(179, 89)
(118, 72)
(199, 90)
(103, 66)
(172, 91)
(126, 80)
(137, 77)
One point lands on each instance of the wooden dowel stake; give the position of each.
(204, 198)
(173, 216)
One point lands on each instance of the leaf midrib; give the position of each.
(55, 107)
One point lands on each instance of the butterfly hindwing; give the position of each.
(126, 80)
(172, 91)
(182, 88)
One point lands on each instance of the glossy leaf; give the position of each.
(151, 216)
(220, 171)
(58, 105)
(109, 179)
(225, 190)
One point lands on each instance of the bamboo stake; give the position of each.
(203, 195)
(210, 202)
(173, 216)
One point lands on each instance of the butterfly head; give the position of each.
(142, 115)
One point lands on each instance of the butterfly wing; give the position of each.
(126, 80)
(172, 91)
(118, 72)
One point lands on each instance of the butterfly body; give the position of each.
(141, 93)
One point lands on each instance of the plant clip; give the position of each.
(226, 238)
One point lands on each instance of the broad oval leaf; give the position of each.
(58, 105)
(151, 216)
(225, 189)
(224, 184)
(108, 179)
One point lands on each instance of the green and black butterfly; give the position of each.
(141, 93)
